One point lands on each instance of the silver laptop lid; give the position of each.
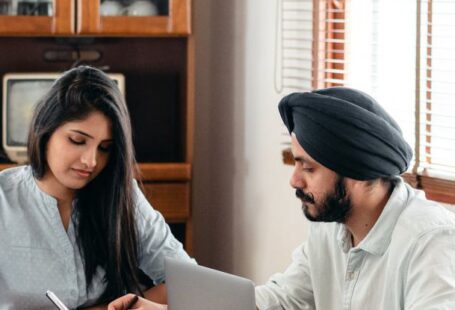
(190, 286)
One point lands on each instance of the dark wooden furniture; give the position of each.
(155, 53)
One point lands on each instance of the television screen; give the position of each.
(21, 93)
(22, 97)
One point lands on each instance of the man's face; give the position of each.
(321, 190)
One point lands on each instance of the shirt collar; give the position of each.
(378, 238)
(33, 186)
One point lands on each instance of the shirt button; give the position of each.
(350, 275)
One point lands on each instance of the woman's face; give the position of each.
(77, 152)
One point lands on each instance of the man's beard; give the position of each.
(335, 207)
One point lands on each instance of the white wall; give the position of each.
(247, 220)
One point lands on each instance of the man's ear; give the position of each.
(353, 186)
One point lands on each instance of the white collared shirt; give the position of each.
(407, 261)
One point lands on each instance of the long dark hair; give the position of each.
(106, 229)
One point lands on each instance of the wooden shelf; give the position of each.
(151, 172)
(171, 199)
(165, 172)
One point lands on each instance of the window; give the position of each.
(294, 46)
(403, 54)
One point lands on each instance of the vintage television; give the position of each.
(21, 93)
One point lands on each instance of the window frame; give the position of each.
(328, 44)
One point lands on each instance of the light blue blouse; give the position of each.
(38, 254)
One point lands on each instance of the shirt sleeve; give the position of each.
(430, 282)
(291, 289)
(155, 239)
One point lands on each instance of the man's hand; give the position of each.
(141, 304)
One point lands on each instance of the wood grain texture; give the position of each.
(165, 171)
(171, 199)
(62, 23)
(177, 23)
(155, 172)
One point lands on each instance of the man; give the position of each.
(374, 242)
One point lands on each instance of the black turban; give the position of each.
(347, 131)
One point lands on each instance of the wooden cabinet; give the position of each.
(155, 54)
(175, 22)
(82, 17)
(62, 22)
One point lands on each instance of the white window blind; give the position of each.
(294, 60)
(381, 56)
(402, 52)
(436, 156)
(294, 46)
(310, 44)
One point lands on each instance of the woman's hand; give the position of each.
(141, 304)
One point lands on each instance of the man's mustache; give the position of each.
(304, 196)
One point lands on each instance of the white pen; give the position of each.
(55, 300)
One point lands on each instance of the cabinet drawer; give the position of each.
(171, 199)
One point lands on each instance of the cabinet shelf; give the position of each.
(153, 172)
(36, 25)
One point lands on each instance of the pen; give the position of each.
(132, 302)
(56, 301)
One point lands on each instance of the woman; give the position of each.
(74, 221)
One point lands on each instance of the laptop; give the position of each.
(190, 286)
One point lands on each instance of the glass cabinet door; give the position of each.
(26, 7)
(134, 7)
(134, 17)
(36, 17)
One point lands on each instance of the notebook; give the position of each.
(190, 286)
